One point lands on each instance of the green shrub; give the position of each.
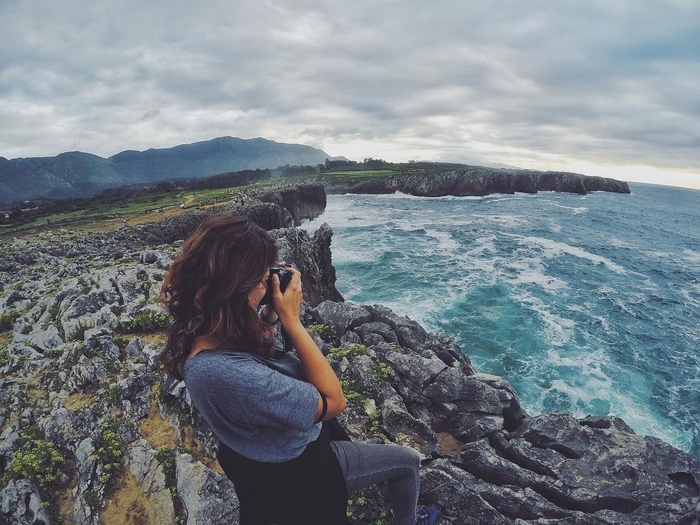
(112, 394)
(84, 286)
(326, 333)
(149, 321)
(4, 356)
(375, 422)
(7, 319)
(351, 352)
(353, 396)
(54, 309)
(116, 309)
(121, 341)
(381, 371)
(78, 332)
(366, 507)
(109, 453)
(92, 499)
(40, 463)
(146, 287)
(166, 457)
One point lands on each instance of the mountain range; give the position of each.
(79, 174)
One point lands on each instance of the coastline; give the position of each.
(74, 363)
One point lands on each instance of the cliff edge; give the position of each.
(477, 181)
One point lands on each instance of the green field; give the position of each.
(357, 174)
(103, 213)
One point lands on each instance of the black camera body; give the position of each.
(284, 276)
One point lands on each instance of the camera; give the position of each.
(284, 276)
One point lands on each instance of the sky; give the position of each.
(600, 87)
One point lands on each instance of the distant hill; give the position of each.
(83, 174)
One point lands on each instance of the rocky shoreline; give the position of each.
(79, 375)
(478, 181)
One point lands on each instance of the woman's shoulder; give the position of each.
(223, 360)
(223, 363)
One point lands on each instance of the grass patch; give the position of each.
(121, 341)
(153, 338)
(129, 505)
(449, 444)
(193, 447)
(7, 319)
(79, 401)
(154, 429)
(78, 331)
(112, 395)
(5, 339)
(149, 321)
(358, 174)
(100, 214)
(54, 310)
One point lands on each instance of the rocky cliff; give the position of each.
(303, 202)
(118, 442)
(477, 181)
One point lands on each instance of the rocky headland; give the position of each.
(92, 431)
(479, 181)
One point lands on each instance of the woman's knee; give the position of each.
(407, 456)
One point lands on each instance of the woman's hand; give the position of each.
(287, 305)
(317, 370)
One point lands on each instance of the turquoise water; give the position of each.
(586, 304)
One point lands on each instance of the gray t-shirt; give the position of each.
(261, 408)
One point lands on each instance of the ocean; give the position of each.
(585, 304)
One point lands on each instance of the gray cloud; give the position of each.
(519, 83)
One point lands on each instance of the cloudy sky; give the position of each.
(602, 87)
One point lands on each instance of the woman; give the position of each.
(265, 406)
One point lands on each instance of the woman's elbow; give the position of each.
(335, 408)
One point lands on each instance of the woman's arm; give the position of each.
(316, 367)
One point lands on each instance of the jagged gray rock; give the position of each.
(310, 255)
(142, 461)
(303, 202)
(20, 504)
(341, 316)
(208, 497)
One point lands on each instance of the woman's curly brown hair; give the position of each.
(206, 289)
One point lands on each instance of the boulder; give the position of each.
(311, 256)
(20, 504)
(208, 497)
(305, 201)
(148, 472)
(341, 316)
